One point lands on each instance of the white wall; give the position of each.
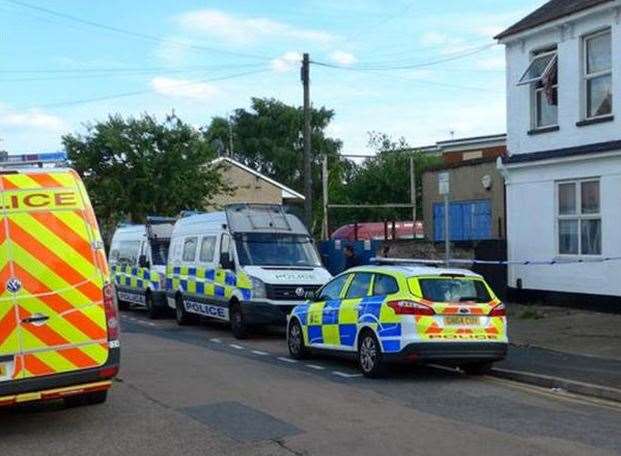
(531, 224)
(570, 85)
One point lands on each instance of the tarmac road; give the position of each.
(197, 391)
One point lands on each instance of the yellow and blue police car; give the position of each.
(403, 312)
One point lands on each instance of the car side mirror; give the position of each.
(226, 262)
(143, 262)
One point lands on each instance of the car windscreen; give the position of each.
(454, 289)
(275, 249)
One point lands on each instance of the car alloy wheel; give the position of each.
(368, 354)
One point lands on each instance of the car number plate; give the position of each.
(461, 321)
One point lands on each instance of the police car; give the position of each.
(403, 312)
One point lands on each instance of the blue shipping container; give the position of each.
(468, 220)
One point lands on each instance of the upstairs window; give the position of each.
(542, 76)
(598, 74)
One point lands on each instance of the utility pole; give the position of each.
(230, 136)
(413, 195)
(324, 181)
(308, 202)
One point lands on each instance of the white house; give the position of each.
(563, 168)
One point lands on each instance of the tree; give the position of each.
(268, 139)
(385, 179)
(138, 166)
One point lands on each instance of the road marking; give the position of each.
(151, 324)
(315, 366)
(344, 375)
(260, 353)
(215, 341)
(286, 360)
(236, 347)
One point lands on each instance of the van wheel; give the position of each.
(123, 305)
(98, 397)
(183, 317)
(481, 368)
(295, 341)
(370, 356)
(238, 322)
(152, 310)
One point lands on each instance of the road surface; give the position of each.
(197, 391)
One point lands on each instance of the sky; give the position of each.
(419, 69)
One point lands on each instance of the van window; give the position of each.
(189, 249)
(114, 254)
(225, 244)
(208, 248)
(129, 251)
(159, 251)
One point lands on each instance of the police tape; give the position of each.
(559, 261)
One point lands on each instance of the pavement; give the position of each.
(197, 391)
(576, 350)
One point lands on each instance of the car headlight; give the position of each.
(258, 288)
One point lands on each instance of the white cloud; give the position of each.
(183, 88)
(31, 119)
(242, 30)
(287, 62)
(343, 58)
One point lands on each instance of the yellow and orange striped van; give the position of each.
(58, 318)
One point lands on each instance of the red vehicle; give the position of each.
(380, 231)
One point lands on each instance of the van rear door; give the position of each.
(54, 274)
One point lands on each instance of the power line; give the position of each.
(130, 69)
(370, 67)
(137, 92)
(133, 34)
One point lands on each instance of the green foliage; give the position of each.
(383, 179)
(138, 166)
(268, 138)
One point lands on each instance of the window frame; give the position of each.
(376, 276)
(351, 281)
(534, 90)
(586, 77)
(213, 239)
(185, 240)
(578, 216)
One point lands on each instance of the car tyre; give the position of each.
(183, 317)
(481, 368)
(370, 357)
(295, 341)
(239, 327)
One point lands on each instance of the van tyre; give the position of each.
(370, 358)
(152, 310)
(481, 368)
(78, 400)
(239, 327)
(295, 341)
(123, 305)
(183, 317)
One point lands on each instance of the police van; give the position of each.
(248, 265)
(138, 255)
(59, 329)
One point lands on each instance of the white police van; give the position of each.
(138, 256)
(249, 265)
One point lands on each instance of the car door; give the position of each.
(358, 290)
(322, 324)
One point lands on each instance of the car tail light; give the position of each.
(499, 311)
(410, 308)
(112, 313)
